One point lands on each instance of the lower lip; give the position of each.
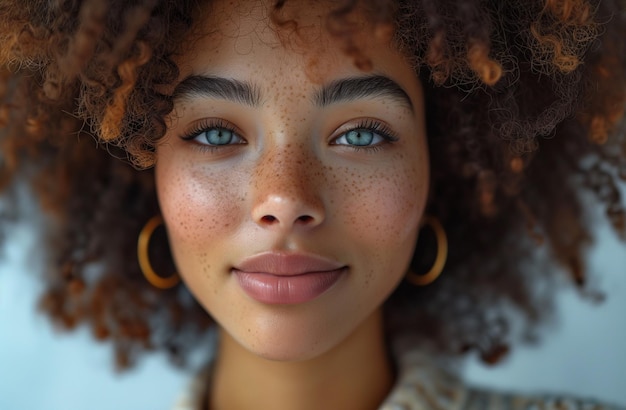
(285, 289)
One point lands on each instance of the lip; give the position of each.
(278, 278)
(287, 264)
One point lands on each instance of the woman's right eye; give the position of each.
(214, 134)
(218, 136)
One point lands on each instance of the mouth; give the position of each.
(278, 278)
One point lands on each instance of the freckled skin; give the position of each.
(364, 206)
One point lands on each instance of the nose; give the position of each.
(286, 189)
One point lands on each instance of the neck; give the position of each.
(356, 374)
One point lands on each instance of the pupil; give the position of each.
(359, 137)
(219, 137)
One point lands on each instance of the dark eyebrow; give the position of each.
(217, 87)
(350, 89)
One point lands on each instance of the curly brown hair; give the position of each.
(524, 105)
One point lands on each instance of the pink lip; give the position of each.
(278, 278)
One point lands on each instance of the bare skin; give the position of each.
(278, 169)
(356, 374)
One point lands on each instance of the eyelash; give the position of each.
(374, 126)
(205, 126)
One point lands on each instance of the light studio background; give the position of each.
(583, 352)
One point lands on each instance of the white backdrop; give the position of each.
(584, 354)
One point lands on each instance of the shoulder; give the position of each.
(423, 385)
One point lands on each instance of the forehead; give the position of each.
(307, 18)
(309, 32)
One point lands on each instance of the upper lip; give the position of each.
(277, 263)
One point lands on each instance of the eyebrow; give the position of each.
(217, 87)
(346, 89)
(353, 88)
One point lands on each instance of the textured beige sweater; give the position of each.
(422, 385)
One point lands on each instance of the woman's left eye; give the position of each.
(359, 138)
(368, 135)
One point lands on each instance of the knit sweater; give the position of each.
(422, 385)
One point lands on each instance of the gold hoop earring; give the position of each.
(144, 260)
(442, 254)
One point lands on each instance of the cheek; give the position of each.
(383, 211)
(198, 206)
(386, 206)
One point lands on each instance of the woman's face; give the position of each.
(291, 182)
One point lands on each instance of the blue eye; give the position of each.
(359, 138)
(369, 134)
(214, 134)
(217, 136)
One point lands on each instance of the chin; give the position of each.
(291, 353)
(288, 355)
(284, 343)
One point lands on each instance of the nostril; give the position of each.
(272, 220)
(305, 218)
(268, 219)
